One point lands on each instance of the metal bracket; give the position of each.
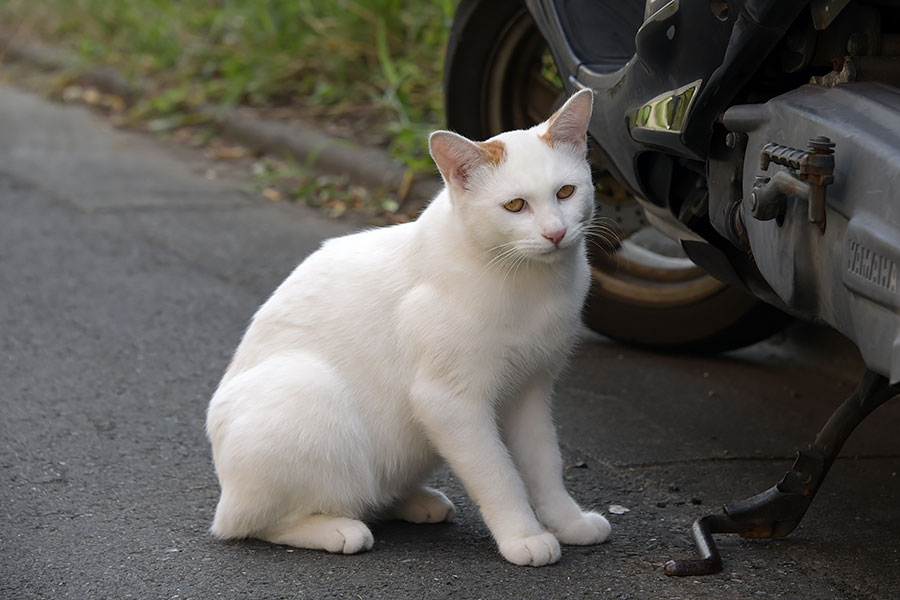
(810, 172)
(777, 511)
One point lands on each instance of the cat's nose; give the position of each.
(555, 236)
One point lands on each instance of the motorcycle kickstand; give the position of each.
(777, 511)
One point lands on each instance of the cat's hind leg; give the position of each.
(425, 505)
(289, 445)
(339, 535)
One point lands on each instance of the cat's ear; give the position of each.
(568, 125)
(457, 157)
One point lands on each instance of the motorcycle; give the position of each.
(748, 152)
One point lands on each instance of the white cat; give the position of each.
(387, 349)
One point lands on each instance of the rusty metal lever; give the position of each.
(810, 172)
(777, 511)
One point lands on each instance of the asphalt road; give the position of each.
(126, 280)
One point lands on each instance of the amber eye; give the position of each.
(515, 205)
(565, 191)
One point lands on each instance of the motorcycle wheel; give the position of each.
(499, 75)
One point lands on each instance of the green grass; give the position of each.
(379, 57)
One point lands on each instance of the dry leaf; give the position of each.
(91, 96)
(228, 152)
(272, 194)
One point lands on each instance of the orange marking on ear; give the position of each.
(546, 137)
(494, 151)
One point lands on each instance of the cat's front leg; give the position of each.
(531, 436)
(464, 431)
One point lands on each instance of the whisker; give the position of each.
(602, 231)
(614, 229)
(602, 237)
(501, 257)
(602, 219)
(607, 249)
(607, 221)
(503, 245)
(610, 226)
(597, 228)
(509, 267)
(502, 260)
(612, 244)
(520, 260)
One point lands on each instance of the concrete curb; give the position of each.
(371, 167)
(368, 166)
(45, 58)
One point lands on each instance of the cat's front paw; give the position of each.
(426, 505)
(534, 550)
(590, 528)
(349, 537)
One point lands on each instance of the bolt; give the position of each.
(760, 182)
(821, 145)
(733, 138)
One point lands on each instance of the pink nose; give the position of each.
(555, 236)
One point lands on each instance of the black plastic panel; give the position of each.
(601, 32)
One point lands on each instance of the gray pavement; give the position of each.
(126, 280)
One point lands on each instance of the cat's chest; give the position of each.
(534, 330)
(464, 329)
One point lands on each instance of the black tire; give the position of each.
(493, 83)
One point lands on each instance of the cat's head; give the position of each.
(526, 193)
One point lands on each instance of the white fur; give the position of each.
(387, 349)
